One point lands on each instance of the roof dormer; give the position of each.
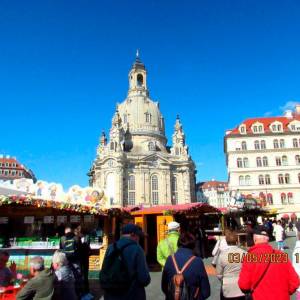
(257, 128)
(276, 126)
(294, 126)
(242, 129)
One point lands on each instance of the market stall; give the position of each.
(154, 220)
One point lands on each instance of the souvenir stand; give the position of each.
(31, 224)
(153, 220)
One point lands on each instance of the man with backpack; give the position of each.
(70, 244)
(184, 276)
(168, 246)
(124, 274)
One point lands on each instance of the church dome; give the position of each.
(140, 115)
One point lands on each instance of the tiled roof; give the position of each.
(266, 122)
(213, 184)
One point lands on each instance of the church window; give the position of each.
(131, 190)
(140, 80)
(112, 146)
(151, 146)
(148, 117)
(176, 151)
(174, 191)
(154, 189)
(125, 118)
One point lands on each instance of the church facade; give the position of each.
(134, 165)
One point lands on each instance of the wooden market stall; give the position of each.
(30, 226)
(154, 220)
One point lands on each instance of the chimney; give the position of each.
(288, 114)
(297, 109)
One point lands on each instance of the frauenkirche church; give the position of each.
(135, 166)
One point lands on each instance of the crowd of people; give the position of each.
(261, 272)
(67, 278)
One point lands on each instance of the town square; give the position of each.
(150, 150)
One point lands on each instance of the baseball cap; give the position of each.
(260, 230)
(132, 228)
(173, 225)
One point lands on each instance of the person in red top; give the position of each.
(267, 272)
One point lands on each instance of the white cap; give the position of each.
(173, 226)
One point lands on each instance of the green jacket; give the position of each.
(167, 247)
(40, 287)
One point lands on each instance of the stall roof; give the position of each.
(179, 208)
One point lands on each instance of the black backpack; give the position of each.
(114, 276)
(178, 289)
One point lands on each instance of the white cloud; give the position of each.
(290, 105)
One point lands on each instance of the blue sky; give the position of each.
(64, 65)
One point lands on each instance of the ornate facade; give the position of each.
(134, 165)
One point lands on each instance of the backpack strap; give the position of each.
(186, 265)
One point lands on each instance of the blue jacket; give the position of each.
(137, 268)
(195, 275)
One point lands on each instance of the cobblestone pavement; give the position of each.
(154, 291)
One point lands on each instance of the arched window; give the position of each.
(244, 145)
(284, 160)
(258, 162)
(174, 190)
(124, 118)
(270, 199)
(275, 143)
(267, 179)
(290, 198)
(241, 180)
(261, 179)
(246, 162)
(112, 146)
(239, 163)
(148, 117)
(280, 179)
(151, 146)
(256, 145)
(176, 151)
(265, 161)
(154, 189)
(287, 178)
(278, 161)
(263, 144)
(131, 190)
(247, 180)
(282, 145)
(295, 143)
(283, 198)
(297, 159)
(140, 79)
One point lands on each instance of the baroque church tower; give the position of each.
(135, 166)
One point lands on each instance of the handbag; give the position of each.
(248, 294)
